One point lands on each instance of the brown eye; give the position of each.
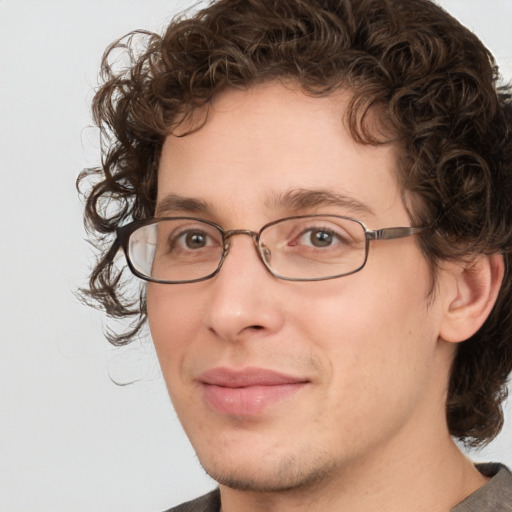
(195, 240)
(321, 238)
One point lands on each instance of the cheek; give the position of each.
(173, 322)
(373, 367)
(371, 327)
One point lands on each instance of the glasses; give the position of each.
(304, 248)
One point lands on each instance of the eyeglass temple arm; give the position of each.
(115, 249)
(391, 233)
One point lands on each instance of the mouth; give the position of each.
(248, 391)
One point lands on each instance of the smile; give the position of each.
(247, 392)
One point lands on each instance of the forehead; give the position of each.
(259, 145)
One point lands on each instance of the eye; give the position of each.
(319, 237)
(194, 239)
(184, 237)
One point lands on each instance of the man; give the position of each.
(318, 196)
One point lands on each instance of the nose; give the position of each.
(245, 299)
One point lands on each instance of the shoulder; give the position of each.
(207, 503)
(495, 495)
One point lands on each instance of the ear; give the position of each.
(469, 295)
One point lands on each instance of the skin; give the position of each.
(369, 423)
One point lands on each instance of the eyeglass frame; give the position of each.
(124, 233)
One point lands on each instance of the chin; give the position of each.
(288, 474)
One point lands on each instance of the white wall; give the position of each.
(69, 438)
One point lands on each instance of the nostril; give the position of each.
(256, 327)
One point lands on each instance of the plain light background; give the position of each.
(71, 439)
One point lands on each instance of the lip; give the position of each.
(248, 391)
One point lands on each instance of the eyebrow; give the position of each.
(172, 203)
(295, 200)
(303, 199)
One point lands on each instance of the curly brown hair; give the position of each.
(435, 87)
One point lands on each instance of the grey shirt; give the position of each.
(494, 496)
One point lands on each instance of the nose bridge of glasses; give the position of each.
(230, 234)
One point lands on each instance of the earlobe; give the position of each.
(473, 289)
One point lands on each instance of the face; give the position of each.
(279, 383)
